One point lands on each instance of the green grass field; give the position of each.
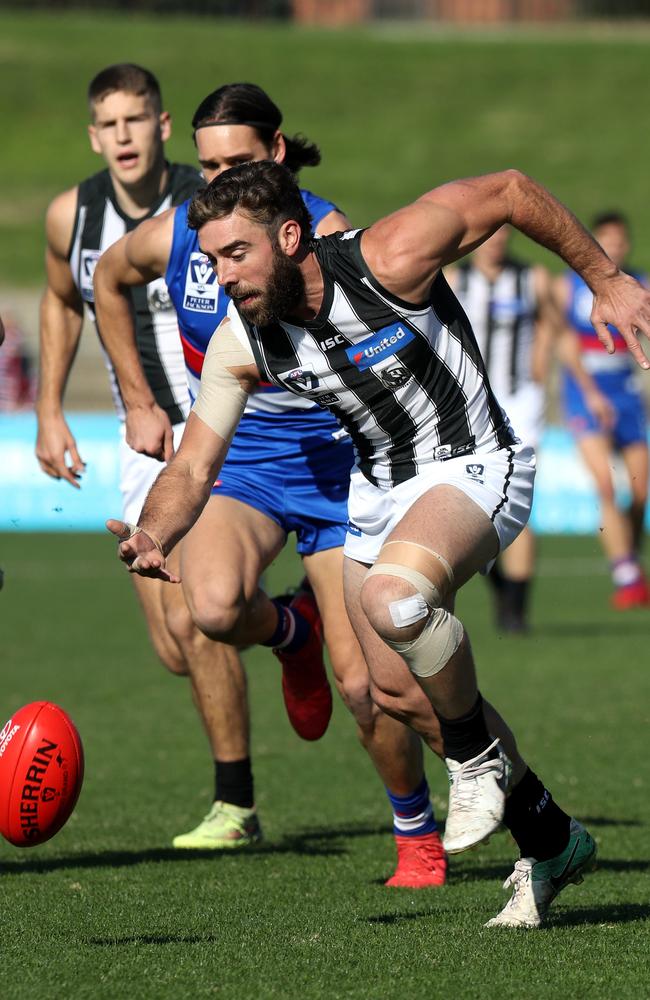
(395, 111)
(107, 909)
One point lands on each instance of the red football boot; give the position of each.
(305, 688)
(634, 595)
(421, 862)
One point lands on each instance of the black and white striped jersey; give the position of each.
(503, 315)
(407, 382)
(100, 222)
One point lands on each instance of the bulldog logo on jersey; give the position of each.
(201, 287)
(381, 345)
(87, 265)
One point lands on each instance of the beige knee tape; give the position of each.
(442, 634)
(434, 647)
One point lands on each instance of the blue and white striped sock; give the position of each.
(413, 814)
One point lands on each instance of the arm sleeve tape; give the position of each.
(222, 397)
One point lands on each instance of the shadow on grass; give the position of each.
(609, 821)
(615, 913)
(466, 873)
(315, 842)
(112, 942)
(397, 918)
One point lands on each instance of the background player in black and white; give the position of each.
(511, 308)
(367, 322)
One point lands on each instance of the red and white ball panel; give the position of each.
(41, 772)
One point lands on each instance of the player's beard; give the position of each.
(284, 292)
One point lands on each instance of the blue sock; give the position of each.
(291, 632)
(413, 814)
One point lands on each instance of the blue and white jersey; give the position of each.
(578, 313)
(201, 305)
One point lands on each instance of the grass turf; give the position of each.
(107, 909)
(396, 112)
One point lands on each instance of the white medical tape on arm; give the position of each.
(222, 397)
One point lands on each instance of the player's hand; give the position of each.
(625, 304)
(149, 432)
(53, 443)
(140, 551)
(601, 408)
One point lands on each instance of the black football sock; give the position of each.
(540, 828)
(234, 782)
(496, 579)
(516, 598)
(467, 736)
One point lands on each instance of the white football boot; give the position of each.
(535, 884)
(477, 799)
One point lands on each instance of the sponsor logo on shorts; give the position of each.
(201, 287)
(87, 266)
(353, 530)
(299, 379)
(380, 346)
(475, 471)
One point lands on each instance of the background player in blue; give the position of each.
(606, 413)
(287, 470)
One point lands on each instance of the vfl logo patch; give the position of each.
(299, 379)
(87, 265)
(381, 345)
(475, 471)
(201, 288)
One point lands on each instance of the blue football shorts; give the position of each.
(291, 468)
(620, 389)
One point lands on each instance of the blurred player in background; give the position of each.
(513, 315)
(288, 469)
(606, 413)
(17, 381)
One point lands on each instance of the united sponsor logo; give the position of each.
(380, 346)
(201, 286)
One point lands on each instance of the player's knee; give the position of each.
(181, 628)
(406, 609)
(217, 613)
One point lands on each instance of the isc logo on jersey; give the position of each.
(201, 288)
(380, 346)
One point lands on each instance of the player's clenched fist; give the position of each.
(140, 551)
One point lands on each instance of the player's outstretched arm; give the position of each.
(405, 250)
(182, 489)
(61, 319)
(138, 258)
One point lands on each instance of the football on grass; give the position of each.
(41, 771)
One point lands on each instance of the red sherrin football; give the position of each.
(41, 771)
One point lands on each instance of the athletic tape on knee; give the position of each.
(442, 634)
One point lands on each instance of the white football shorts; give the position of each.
(137, 474)
(499, 482)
